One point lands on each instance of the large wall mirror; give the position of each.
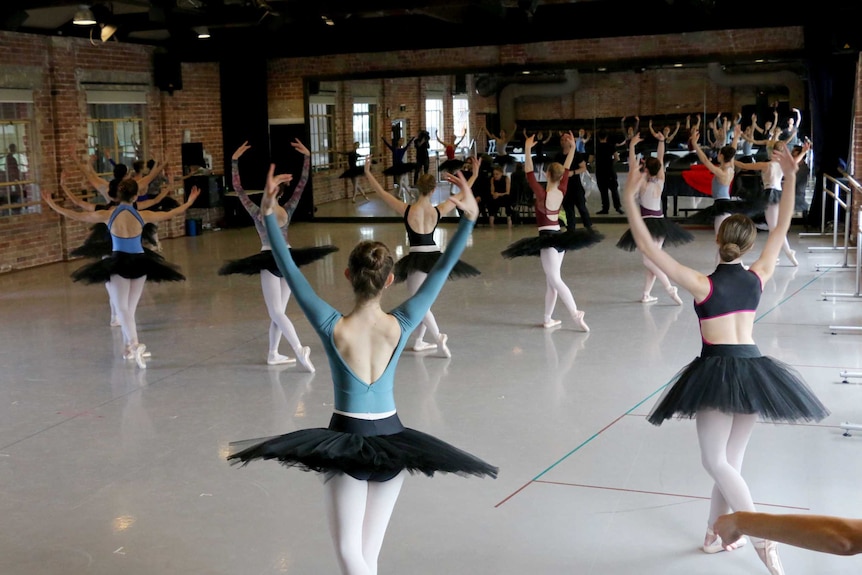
(467, 112)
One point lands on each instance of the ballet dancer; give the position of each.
(770, 175)
(366, 452)
(731, 383)
(354, 171)
(551, 244)
(501, 156)
(399, 168)
(722, 179)
(421, 220)
(276, 292)
(662, 230)
(129, 267)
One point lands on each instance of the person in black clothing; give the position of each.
(606, 175)
(422, 143)
(576, 197)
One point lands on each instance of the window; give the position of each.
(115, 132)
(365, 128)
(434, 120)
(461, 116)
(321, 122)
(19, 192)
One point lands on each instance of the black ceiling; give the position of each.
(315, 27)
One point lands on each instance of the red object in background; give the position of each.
(700, 178)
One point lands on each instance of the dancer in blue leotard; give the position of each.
(366, 451)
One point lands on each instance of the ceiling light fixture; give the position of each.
(202, 32)
(84, 17)
(107, 32)
(328, 21)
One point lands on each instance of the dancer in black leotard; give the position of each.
(366, 451)
(354, 171)
(731, 384)
(421, 219)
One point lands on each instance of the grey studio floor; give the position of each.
(108, 469)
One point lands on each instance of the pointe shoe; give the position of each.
(551, 323)
(421, 345)
(673, 292)
(442, 348)
(649, 298)
(579, 319)
(768, 553)
(712, 543)
(278, 359)
(304, 359)
(139, 356)
(792, 257)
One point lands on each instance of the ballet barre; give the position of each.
(834, 329)
(838, 188)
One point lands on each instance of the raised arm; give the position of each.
(461, 139)
(449, 203)
(388, 144)
(390, 200)
(146, 204)
(99, 184)
(567, 164)
(651, 130)
(86, 206)
(246, 202)
(145, 182)
(92, 217)
(823, 533)
(151, 216)
(293, 201)
(528, 153)
(673, 134)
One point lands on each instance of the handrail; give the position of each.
(838, 187)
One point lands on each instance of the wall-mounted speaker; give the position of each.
(167, 72)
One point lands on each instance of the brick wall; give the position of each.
(58, 71)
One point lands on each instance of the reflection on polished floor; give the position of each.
(110, 469)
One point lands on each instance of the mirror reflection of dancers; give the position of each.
(276, 292)
(551, 244)
(130, 266)
(731, 383)
(422, 145)
(452, 164)
(366, 452)
(354, 171)
(501, 155)
(770, 175)
(722, 179)
(400, 170)
(662, 230)
(421, 220)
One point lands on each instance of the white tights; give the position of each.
(114, 313)
(653, 271)
(414, 282)
(771, 221)
(358, 513)
(125, 294)
(723, 438)
(552, 261)
(276, 294)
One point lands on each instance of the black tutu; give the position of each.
(576, 239)
(353, 172)
(504, 160)
(365, 449)
(707, 216)
(98, 243)
(672, 232)
(400, 169)
(769, 196)
(452, 165)
(129, 266)
(264, 260)
(738, 379)
(424, 261)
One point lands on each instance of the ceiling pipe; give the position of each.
(785, 78)
(509, 94)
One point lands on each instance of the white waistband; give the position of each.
(554, 228)
(368, 416)
(433, 248)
